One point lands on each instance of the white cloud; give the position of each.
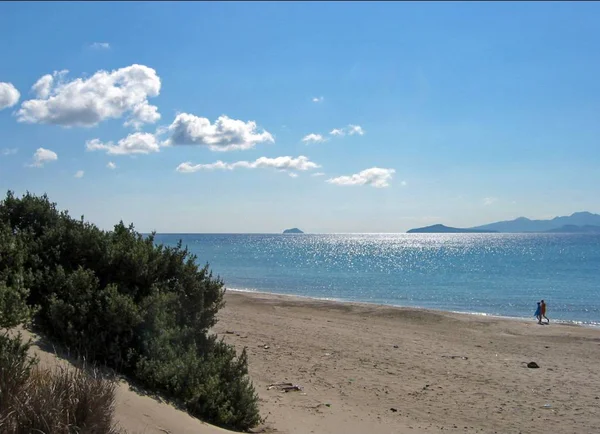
(79, 174)
(313, 138)
(43, 86)
(318, 174)
(300, 163)
(355, 129)
(225, 134)
(43, 156)
(86, 102)
(111, 165)
(141, 114)
(9, 95)
(9, 151)
(318, 99)
(489, 200)
(293, 174)
(136, 143)
(100, 45)
(375, 176)
(351, 130)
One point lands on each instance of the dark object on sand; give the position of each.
(285, 387)
(394, 410)
(533, 365)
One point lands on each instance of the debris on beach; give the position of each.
(393, 410)
(229, 332)
(285, 387)
(533, 365)
(457, 357)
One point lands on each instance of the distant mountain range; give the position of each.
(441, 229)
(579, 222)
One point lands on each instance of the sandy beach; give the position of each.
(379, 370)
(376, 369)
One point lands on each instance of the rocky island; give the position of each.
(293, 231)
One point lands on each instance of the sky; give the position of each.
(327, 116)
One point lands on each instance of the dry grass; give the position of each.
(62, 400)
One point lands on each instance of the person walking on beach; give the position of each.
(543, 312)
(538, 313)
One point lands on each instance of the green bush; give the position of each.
(117, 298)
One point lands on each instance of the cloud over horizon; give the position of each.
(375, 177)
(87, 102)
(286, 163)
(225, 134)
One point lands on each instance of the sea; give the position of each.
(485, 274)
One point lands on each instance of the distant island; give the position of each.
(579, 222)
(441, 229)
(293, 231)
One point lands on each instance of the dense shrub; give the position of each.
(117, 298)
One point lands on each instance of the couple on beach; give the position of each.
(541, 312)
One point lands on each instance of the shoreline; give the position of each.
(364, 367)
(593, 325)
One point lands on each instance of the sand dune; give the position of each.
(136, 413)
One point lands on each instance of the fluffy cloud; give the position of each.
(375, 176)
(351, 130)
(136, 143)
(300, 163)
(318, 99)
(9, 95)
(111, 165)
(141, 114)
(79, 174)
(489, 200)
(43, 156)
(313, 138)
(100, 46)
(9, 151)
(225, 134)
(86, 102)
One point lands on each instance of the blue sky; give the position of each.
(455, 113)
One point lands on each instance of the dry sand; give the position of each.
(442, 372)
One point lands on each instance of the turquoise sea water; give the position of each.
(495, 274)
